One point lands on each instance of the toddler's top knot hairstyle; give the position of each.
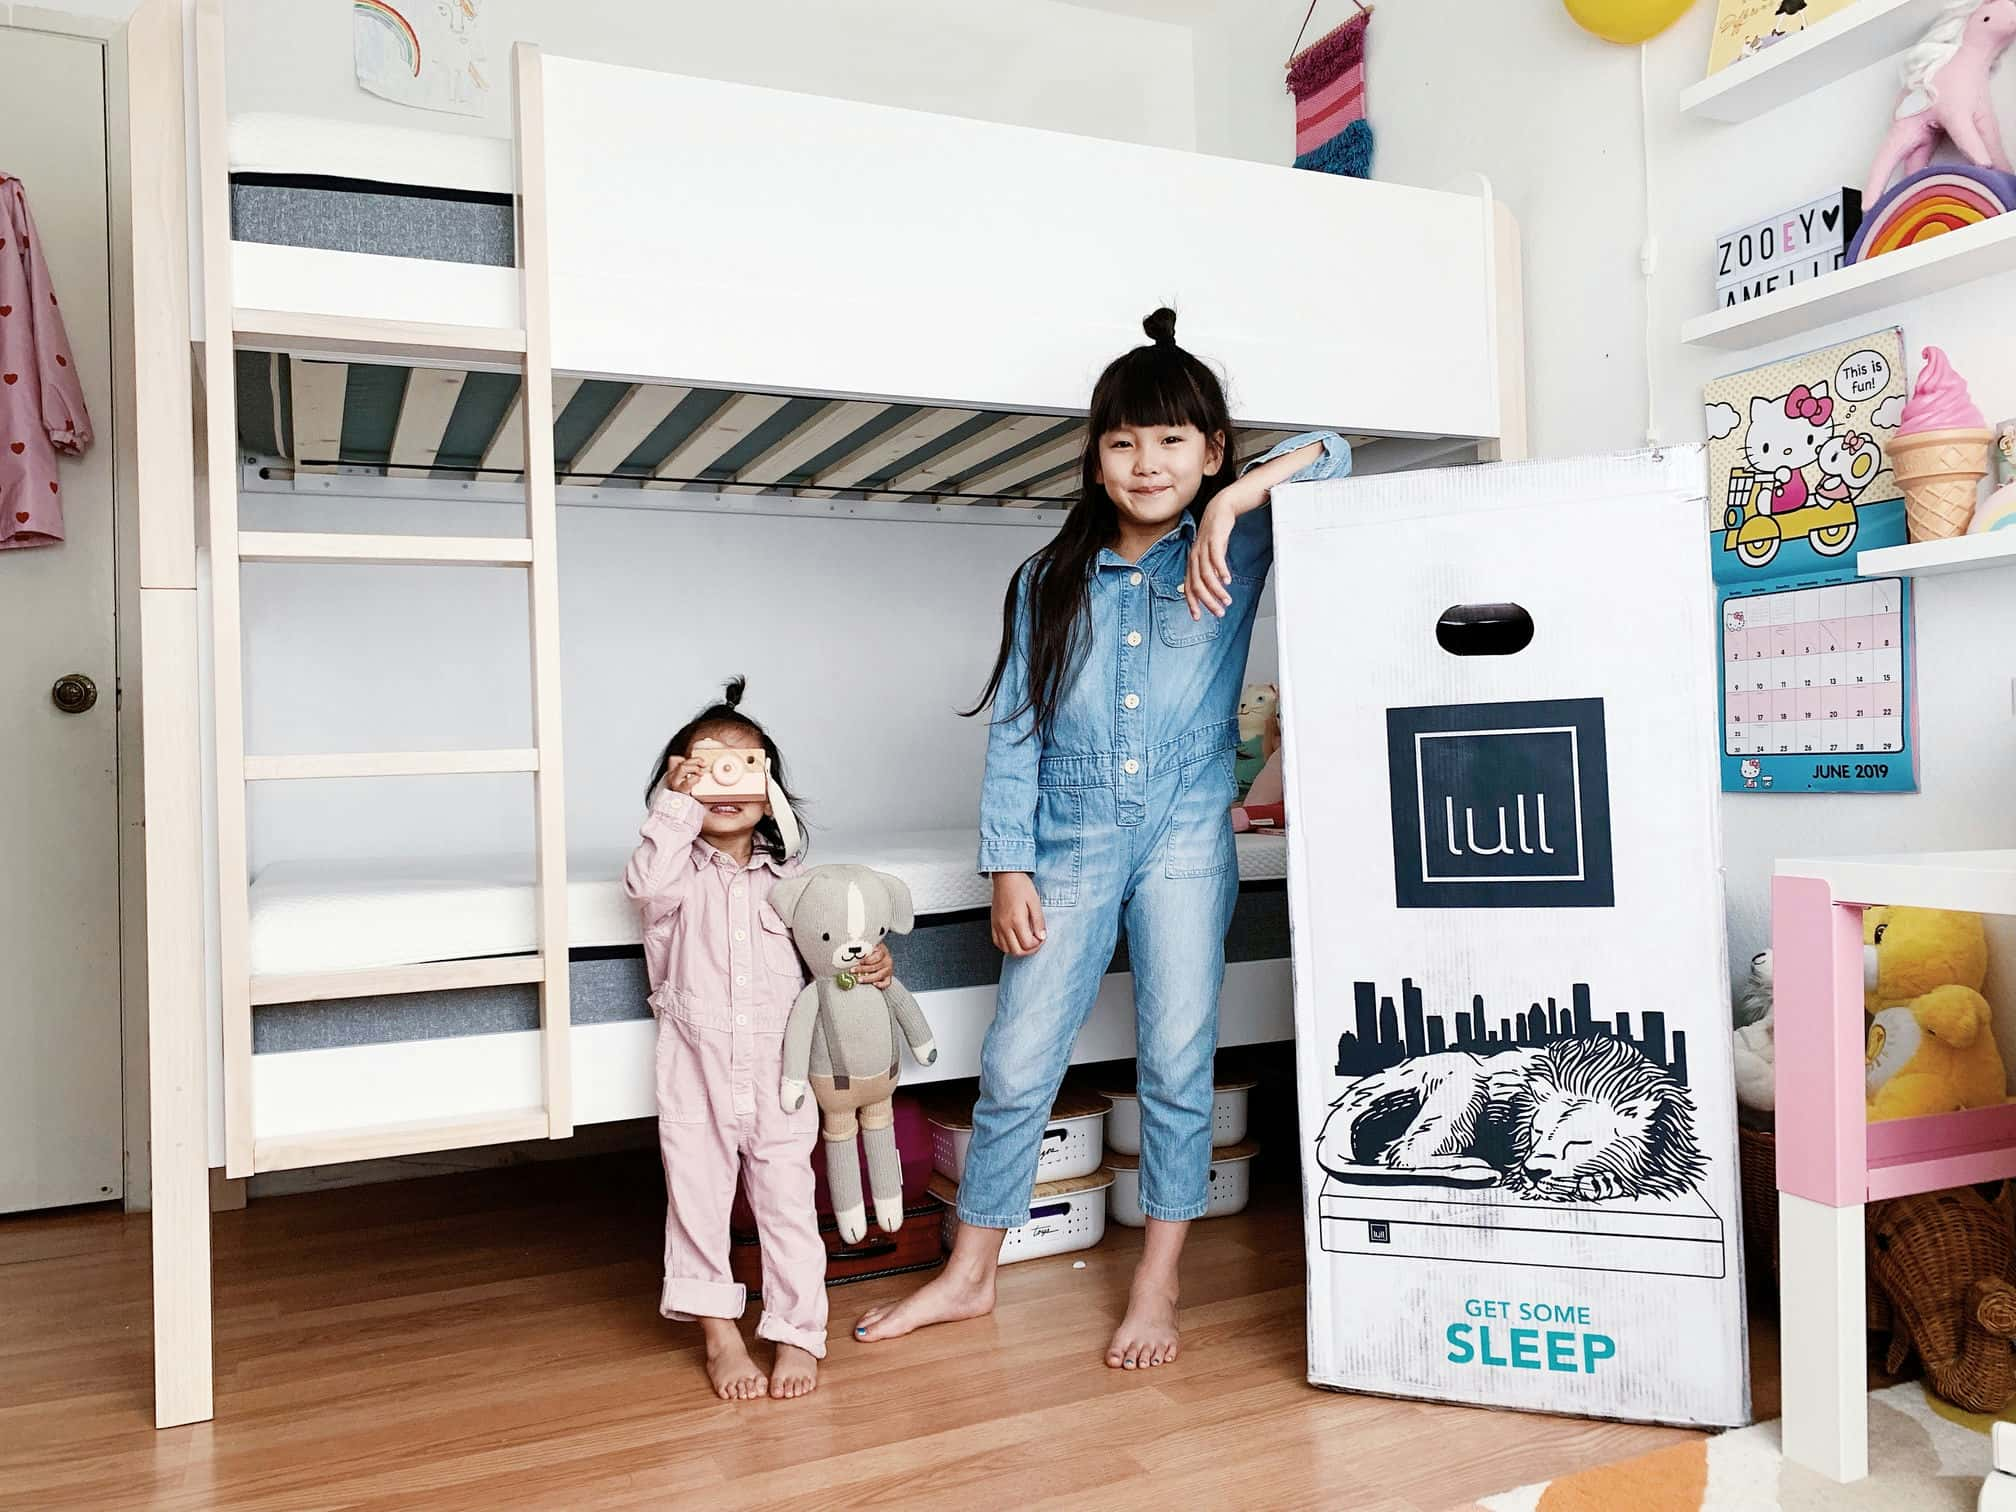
(725, 716)
(1161, 327)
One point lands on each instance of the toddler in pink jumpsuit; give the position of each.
(724, 975)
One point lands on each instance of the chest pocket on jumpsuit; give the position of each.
(779, 954)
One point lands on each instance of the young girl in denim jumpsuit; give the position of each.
(1107, 804)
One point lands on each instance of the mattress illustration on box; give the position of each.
(1415, 1220)
(1556, 1139)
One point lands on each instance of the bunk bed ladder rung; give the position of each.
(527, 349)
(288, 1152)
(381, 981)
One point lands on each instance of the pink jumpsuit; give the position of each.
(724, 975)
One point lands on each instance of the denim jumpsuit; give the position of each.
(1122, 814)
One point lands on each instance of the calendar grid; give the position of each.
(1814, 670)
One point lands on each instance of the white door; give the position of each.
(60, 1117)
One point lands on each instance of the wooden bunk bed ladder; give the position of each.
(226, 328)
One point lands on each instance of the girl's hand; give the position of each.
(1018, 914)
(876, 969)
(1207, 581)
(682, 772)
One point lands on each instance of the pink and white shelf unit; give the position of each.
(1831, 1160)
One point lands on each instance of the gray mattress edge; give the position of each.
(944, 953)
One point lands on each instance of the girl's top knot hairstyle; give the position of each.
(1043, 613)
(724, 720)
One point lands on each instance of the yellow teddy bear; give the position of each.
(1931, 1040)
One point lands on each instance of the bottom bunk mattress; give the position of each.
(353, 916)
(348, 915)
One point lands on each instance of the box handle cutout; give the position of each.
(1484, 630)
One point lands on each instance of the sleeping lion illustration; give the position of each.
(1572, 1120)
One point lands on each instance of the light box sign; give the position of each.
(1514, 1088)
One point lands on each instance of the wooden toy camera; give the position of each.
(735, 774)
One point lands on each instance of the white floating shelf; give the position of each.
(1845, 43)
(1967, 553)
(1930, 267)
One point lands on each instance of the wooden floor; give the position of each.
(491, 1341)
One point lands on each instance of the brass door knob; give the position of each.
(74, 693)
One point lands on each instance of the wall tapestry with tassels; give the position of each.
(1327, 79)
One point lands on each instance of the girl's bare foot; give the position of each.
(958, 1291)
(795, 1374)
(734, 1374)
(1147, 1335)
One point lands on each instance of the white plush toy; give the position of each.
(1756, 1048)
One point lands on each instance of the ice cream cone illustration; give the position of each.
(1940, 452)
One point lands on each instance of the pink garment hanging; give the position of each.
(41, 402)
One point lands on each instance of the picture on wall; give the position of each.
(1816, 672)
(432, 54)
(1745, 28)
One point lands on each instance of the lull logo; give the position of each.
(1500, 805)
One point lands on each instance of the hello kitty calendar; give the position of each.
(1817, 685)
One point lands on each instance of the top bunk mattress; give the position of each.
(355, 915)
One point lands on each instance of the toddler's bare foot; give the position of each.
(795, 1374)
(734, 1374)
(1147, 1335)
(954, 1293)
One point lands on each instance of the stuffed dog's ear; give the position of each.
(788, 892)
(902, 912)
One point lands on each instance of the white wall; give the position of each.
(1552, 116)
(1026, 62)
(860, 641)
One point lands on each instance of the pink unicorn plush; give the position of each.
(1946, 93)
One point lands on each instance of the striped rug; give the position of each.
(1924, 1456)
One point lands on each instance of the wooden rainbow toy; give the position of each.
(1931, 202)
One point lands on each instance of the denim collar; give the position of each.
(1184, 529)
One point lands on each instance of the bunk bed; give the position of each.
(834, 310)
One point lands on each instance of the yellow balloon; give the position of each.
(1626, 21)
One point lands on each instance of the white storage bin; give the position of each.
(1064, 1216)
(1228, 1116)
(1231, 1182)
(1072, 1140)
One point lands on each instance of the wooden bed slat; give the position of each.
(388, 764)
(506, 451)
(383, 550)
(887, 450)
(352, 336)
(318, 412)
(956, 461)
(291, 1152)
(724, 430)
(827, 428)
(1063, 452)
(423, 416)
(623, 429)
(427, 976)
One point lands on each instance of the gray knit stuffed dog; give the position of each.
(842, 1037)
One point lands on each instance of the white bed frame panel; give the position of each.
(721, 236)
(307, 1095)
(739, 237)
